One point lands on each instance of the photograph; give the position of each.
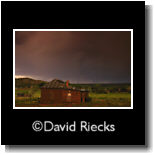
(73, 68)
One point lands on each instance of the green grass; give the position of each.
(103, 99)
(110, 96)
(34, 99)
(111, 99)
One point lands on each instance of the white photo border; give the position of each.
(14, 30)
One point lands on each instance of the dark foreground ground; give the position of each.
(97, 100)
(101, 95)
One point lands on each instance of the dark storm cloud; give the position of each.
(96, 56)
(22, 37)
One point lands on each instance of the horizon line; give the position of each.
(25, 77)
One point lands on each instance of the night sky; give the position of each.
(77, 56)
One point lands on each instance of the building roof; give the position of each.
(59, 84)
(56, 83)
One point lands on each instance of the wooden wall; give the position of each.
(49, 96)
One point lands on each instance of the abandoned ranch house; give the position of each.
(58, 91)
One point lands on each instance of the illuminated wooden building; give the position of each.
(58, 91)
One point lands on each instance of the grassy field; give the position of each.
(109, 98)
(32, 96)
